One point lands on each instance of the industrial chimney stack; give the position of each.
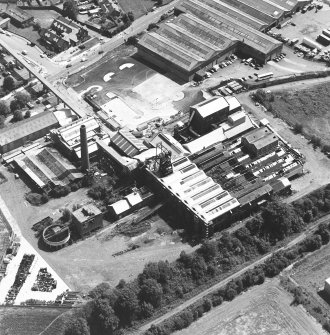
(84, 149)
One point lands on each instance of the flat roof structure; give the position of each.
(257, 134)
(247, 35)
(86, 212)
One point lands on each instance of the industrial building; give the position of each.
(205, 32)
(130, 203)
(87, 219)
(46, 168)
(67, 138)
(18, 134)
(127, 144)
(212, 121)
(224, 178)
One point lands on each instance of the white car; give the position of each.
(24, 52)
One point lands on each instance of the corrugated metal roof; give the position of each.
(26, 127)
(128, 143)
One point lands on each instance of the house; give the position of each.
(62, 34)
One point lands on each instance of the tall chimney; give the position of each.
(84, 149)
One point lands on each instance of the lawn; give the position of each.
(138, 7)
(308, 107)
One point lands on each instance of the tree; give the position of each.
(27, 114)
(4, 110)
(70, 9)
(151, 292)
(18, 116)
(130, 16)
(76, 326)
(132, 40)
(208, 250)
(22, 98)
(8, 83)
(66, 215)
(159, 2)
(36, 26)
(2, 121)
(126, 305)
(103, 320)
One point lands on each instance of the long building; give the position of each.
(205, 32)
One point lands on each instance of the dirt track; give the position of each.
(264, 309)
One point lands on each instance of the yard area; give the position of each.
(120, 73)
(309, 24)
(265, 309)
(87, 263)
(138, 7)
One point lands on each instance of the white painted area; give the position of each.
(108, 76)
(96, 88)
(124, 66)
(179, 96)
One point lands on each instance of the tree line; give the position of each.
(162, 283)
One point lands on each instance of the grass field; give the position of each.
(28, 321)
(264, 309)
(138, 7)
(309, 107)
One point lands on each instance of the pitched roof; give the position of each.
(26, 127)
(128, 143)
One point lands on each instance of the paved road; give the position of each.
(222, 283)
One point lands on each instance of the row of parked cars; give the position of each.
(231, 59)
(279, 57)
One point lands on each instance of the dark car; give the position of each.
(68, 65)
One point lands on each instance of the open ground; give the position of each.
(147, 92)
(89, 262)
(309, 24)
(308, 107)
(265, 309)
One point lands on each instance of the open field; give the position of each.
(138, 7)
(309, 107)
(264, 309)
(90, 262)
(28, 321)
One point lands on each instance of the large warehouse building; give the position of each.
(205, 32)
